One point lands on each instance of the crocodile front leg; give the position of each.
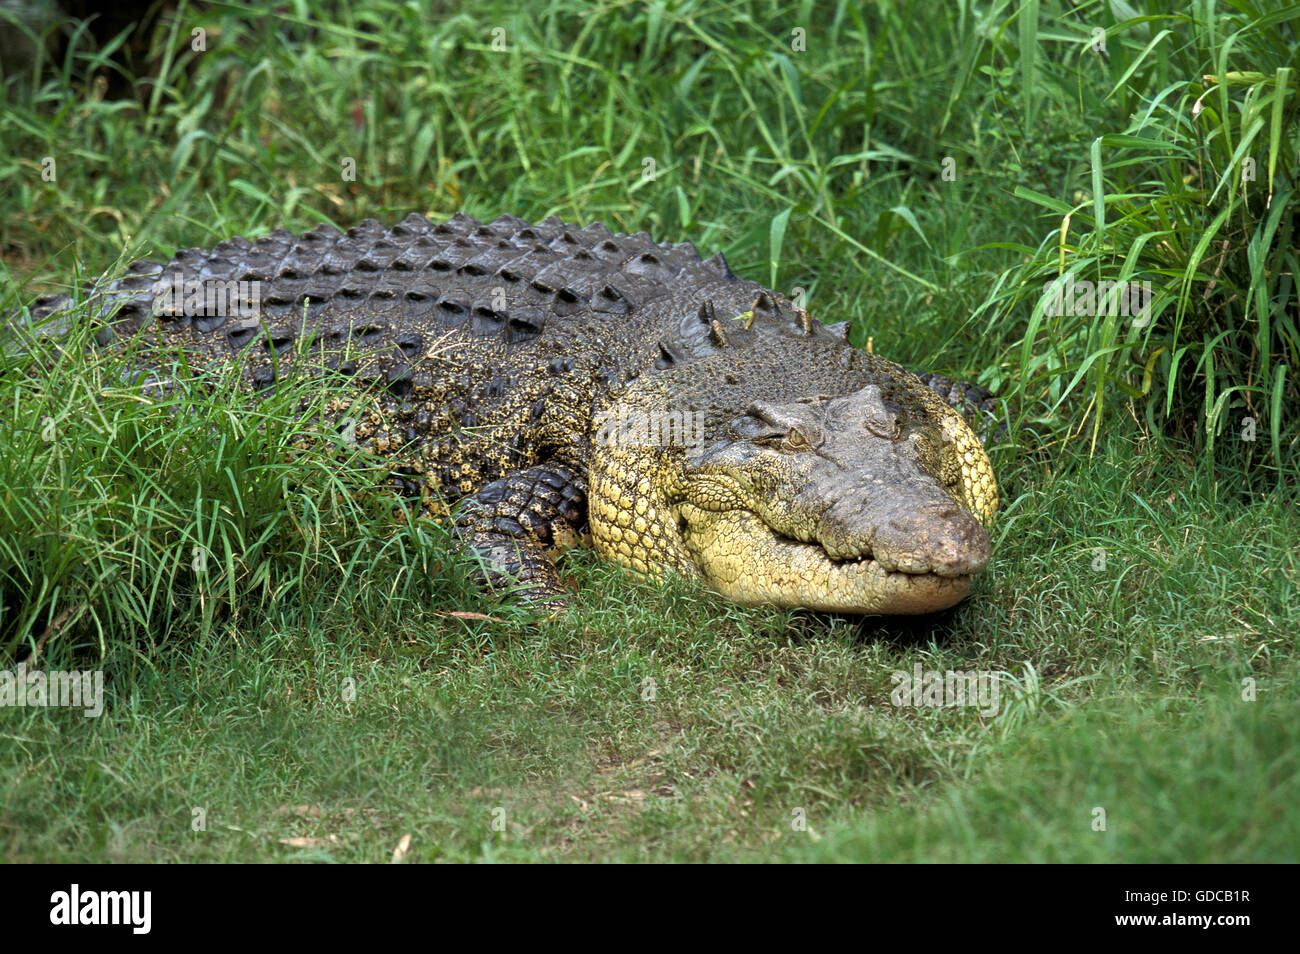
(513, 524)
(966, 397)
(973, 402)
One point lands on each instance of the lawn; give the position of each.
(296, 669)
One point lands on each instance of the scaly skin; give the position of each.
(540, 382)
(854, 503)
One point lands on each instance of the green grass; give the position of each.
(299, 671)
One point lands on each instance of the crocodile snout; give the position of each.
(940, 538)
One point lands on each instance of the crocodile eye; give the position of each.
(886, 426)
(795, 438)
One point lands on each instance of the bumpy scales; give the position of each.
(549, 381)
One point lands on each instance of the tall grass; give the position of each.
(139, 507)
(1189, 185)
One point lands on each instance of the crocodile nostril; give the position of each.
(935, 537)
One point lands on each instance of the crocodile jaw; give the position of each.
(749, 563)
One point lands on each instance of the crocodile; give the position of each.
(547, 384)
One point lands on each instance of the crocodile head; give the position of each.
(834, 504)
(854, 503)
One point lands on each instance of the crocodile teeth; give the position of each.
(845, 554)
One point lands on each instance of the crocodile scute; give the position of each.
(544, 383)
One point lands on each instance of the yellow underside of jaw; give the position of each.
(744, 560)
